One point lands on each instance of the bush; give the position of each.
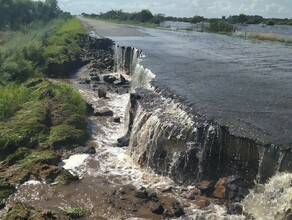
(15, 69)
(218, 26)
(271, 23)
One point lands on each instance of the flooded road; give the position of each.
(243, 84)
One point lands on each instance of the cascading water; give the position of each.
(273, 200)
(188, 148)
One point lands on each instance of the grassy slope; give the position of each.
(62, 46)
(37, 117)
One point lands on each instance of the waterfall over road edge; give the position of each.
(175, 142)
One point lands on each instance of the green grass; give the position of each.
(29, 52)
(73, 212)
(73, 26)
(62, 46)
(24, 211)
(12, 97)
(46, 113)
(38, 157)
(5, 191)
(5, 36)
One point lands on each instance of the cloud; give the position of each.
(185, 8)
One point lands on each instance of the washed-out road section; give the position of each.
(243, 84)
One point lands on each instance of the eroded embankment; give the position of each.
(176, 142)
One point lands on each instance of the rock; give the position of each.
(231, 195)
(134, 208)
(89, 108)
(157, 208)
(120, 82)
(109, 78)
(123, 141)
(49, 173)
(220, 188)
(84, 81)
(235, 209)
(123, 79)
(206, 187)
(202, 202)
(232, 187)
(134, 96)
(103, 111)
(85, 150)
(288, 215)
(167, 214)
(95, 78)
(153, 197)
(58, 174)
(177, 209)
(101, 93)
(192, 194)
(141, 193)
(220, 192)
(117, 120)
(66, 177)
(117, 82)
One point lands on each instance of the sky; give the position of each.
(185, 8)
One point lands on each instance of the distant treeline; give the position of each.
(14, 13)
(145, 16)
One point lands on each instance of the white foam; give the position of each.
(75, 162)
(272, 200)
(31, 182)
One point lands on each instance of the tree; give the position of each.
(52, 9)
(242, 18)
(145, 16)
(197, 19)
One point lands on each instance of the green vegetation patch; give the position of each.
(62, 46)
(30, 52)
(73, 212)
(267, 37)
(24, 211)
(46, 114)
(220, 26)
(38, 117)
(5, 190)
(39, 157)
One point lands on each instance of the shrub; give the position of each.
(218, 26)
(271, 23)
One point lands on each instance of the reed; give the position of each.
(267, 36)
